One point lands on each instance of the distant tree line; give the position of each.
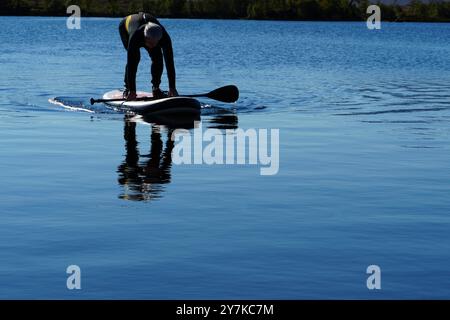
(435, 10)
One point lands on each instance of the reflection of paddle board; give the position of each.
(174, 105)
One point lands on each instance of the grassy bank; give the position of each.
(334, 10)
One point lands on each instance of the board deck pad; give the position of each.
(175, 105)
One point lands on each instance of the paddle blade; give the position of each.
(225, 94)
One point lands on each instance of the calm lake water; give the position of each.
(364, 176)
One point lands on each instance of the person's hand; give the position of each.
(158, 94)
(131, 96)
(173, 92)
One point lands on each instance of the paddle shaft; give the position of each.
(196, 95)
(120, 99)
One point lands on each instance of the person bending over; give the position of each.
(142, 30)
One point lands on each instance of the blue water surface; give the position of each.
(364, 176)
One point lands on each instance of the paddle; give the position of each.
(225, 94)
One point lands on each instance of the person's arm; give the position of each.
(166, 46)
(157, 66)
(133, 58)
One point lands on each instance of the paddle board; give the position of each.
(173, 105)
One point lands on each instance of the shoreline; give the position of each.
(267, 10)
(230, 19)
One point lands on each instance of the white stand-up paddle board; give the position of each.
(173, 105)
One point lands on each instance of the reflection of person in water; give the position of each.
(144, 180)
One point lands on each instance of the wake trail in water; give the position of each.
(391, 111)
(79, 105)
(55, 101)
(402, 97)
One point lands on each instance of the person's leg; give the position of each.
(125, 38)
(123, 33)
(125, 80)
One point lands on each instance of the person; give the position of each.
(142, 30)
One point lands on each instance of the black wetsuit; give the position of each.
(131, 30)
